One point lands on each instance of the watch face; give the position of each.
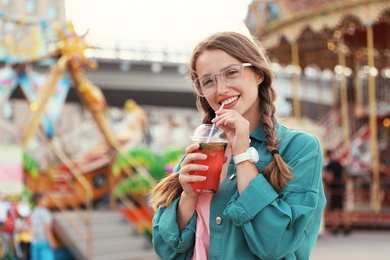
(254, 154)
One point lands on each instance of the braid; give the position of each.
(277, 172)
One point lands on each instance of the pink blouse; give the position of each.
(202, 235)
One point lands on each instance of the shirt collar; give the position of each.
(259, 134)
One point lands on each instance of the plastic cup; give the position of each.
(212, 141)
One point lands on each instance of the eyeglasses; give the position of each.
(231, 76)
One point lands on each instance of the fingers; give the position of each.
(233, 122)
(187, 168)
(185, 178)
(191, 156)
(228, 118)
(191, 148)
(190, 164)
(236, 127)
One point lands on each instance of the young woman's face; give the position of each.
(242, 97)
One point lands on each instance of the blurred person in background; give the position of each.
(6, 228)
(384, 173)
(22, 233)
(44, 242)
(335, 179)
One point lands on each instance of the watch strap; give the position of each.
(241, 158)
(250, 155)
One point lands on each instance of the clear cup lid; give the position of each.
(209, 133)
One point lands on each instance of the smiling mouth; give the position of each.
(229, 101)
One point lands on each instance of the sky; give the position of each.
(176, 25)
(156, 24)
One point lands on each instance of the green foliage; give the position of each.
(135, 185)
(172, 156)
(142, 157)
(139, 156)
(30, 165)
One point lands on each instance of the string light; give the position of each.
(386, 122)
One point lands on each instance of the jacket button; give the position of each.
(218, 220)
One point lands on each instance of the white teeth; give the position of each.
(230, 100)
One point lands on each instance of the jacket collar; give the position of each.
(259, 134)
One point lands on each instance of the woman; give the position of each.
(269, 209)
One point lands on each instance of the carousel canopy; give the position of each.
(317, 26)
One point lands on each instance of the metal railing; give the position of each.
(83, 224)
(127, 52)
(360, 192)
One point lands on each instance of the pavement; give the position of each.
(359, 245)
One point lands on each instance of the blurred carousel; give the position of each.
(350, 41)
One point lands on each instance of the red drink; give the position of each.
(215, 158)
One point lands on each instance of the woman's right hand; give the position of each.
(187, 166)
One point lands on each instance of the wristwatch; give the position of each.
(250, 154)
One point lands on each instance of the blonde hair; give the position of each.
(249, 50)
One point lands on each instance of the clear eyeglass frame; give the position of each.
(230, 75)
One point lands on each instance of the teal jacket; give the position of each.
(260, 223)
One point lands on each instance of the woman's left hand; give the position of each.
(236, 128)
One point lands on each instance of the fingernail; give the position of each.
(205, 167)
(203, 156)
(202, 178)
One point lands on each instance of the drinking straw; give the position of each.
(212, 127)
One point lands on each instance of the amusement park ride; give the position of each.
(120, 168)
(350, 39)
